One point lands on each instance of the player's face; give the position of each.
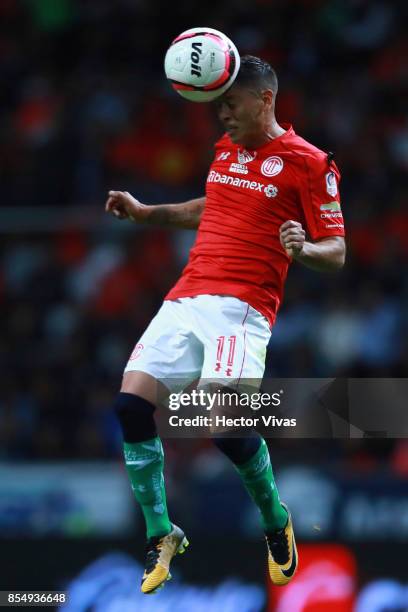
(245, 114)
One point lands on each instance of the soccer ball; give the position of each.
(201, 64)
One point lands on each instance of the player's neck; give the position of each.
(271, 130)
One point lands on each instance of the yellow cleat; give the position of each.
(282, 553)
(159, 552)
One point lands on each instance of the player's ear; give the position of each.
(267, 98)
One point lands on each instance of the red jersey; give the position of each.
(249, 194)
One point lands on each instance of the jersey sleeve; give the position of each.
(320, 198)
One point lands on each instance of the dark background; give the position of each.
(85, 108)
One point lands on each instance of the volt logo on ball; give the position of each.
(195, 58)
(201, 64)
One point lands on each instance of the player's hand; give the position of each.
(125, 206)
(292, 237)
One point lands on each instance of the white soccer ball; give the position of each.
(201, 63)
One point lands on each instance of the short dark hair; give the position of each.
(256, 74)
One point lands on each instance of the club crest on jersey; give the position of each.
(244, 156)
(331, 184)
(272, 166)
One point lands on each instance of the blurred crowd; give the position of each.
(85, 107)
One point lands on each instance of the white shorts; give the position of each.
(207, 337)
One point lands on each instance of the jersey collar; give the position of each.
(288, 134)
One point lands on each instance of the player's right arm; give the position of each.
(185, 215)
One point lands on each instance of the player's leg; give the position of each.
(255, 469)
(144, 459)
(243, 335)
(143, 450)
(250, 457)
(164, 352)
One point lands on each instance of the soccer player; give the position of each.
(271, 198)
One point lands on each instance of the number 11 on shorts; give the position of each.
(231, 353)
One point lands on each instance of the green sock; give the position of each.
(144, 465)
(258, 479)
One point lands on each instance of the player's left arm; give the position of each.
(323, 255)
(325, 248)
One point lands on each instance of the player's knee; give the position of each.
(239, 450)
(135, 415)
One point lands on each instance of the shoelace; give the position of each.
(279, 546)
(153, 548)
